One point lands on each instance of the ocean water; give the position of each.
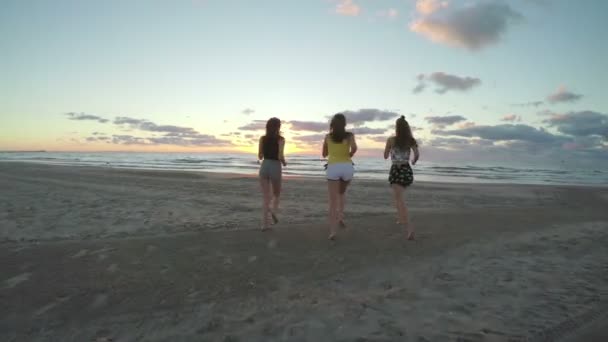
(311, 166)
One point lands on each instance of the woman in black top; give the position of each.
(270, 151)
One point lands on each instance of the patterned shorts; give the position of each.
(401, 174)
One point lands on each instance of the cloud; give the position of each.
(121, 139)
(348, 8)
(511, 118)
(248, 111)
(466, 125)
(310, 139)
(446, 82)
(149, 126)
(459, 142)
(362, 116)
(419, 88)
(121, 120)
(196, 140)
(580, 124)
(563, 95)
(473, 26)
(505, 132)
(85, 117)
(443, 121)
(256, 125)
(529, 104)
(160, 134)
(430, 6)
(313, 126)
(369, 131)
(545, 112)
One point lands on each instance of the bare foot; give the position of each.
(410, 236)
(332, 237)
(275, 220)
(342, 224)
(264, 228)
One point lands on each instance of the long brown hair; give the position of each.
(337, 128)
(273, 129)
(404, 138)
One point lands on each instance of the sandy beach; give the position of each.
(96, 254)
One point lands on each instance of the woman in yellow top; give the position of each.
(338, 146)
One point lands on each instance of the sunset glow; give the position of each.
(474, 78)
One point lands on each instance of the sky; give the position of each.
(519, 80)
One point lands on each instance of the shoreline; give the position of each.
(223, 174)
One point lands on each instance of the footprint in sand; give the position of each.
(49, 306)
(100, 300)
(16, 280)
(81, 253)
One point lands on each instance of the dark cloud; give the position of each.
(458, 142)
(122, 139)
(248, 111)
(529, 104)
(149, 126)
(362, 116)
(121, 120)
(312, 126)
(443, 121)
(419, 88)
(472, 26)
(256, 125)
(580, 124)
(563, 95)
(85, 117)
(505, 132)
(446, 82)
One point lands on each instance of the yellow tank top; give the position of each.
(338, 152)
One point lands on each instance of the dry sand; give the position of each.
(91, 254)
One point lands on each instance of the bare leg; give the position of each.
(265, 186)
(333, 189)
(342, 202)
(399, 193)
(396, 202)
(276, 191)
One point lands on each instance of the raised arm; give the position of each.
(353, 145)
(261, 149)
(387, 148)
(325, 151)
(281, 152)
(416, 155)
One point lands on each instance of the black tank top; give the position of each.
(270, 148)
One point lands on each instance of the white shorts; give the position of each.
(340, 171)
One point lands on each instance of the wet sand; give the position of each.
(92, 254)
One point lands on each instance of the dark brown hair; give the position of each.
(273, 129)
(403, 134)
(337, 128)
